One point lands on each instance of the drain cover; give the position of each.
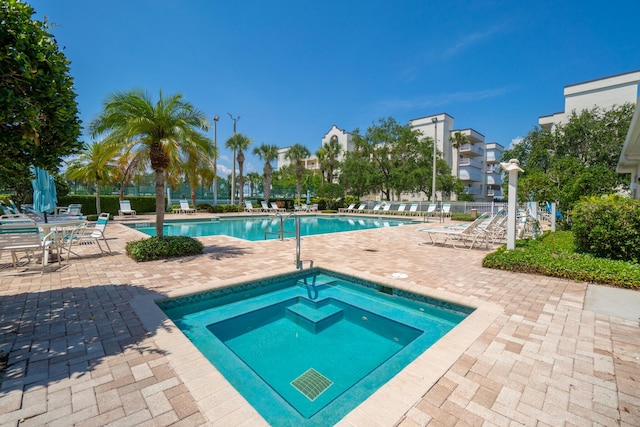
(312, 384)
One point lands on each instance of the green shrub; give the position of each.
(608, 227)
(554, 255)
(164, 247)
(461, 217)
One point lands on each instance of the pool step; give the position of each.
(314, 318)
(319, 280)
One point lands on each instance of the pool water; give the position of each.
(253, 228)
(305, 349)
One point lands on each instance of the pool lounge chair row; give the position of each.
(485, 229)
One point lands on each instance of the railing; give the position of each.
(472, 149)
(281, 231)
(467, 161)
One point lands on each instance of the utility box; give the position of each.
(474, 213)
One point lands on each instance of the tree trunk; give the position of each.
(159, 202)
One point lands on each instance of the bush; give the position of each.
(554, 255)
(608, 227)
(155, 248)
(461, 217)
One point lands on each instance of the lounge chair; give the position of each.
(413, 209)
(248, 207)
(376, 208)
(361, 208)
(185, 208)
(401, 209)
(24, 236)
(125, 209)
(275, 207)
(431, 209)
(313, 208)
(446, 209)
(348, 208)
(265, 207)
(471, 232)
(93, 234)
(386, 208)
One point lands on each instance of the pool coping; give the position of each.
(221, 403)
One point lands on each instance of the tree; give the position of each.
(127, 165)
(39, 122)
(332, 150)
(254, 182)
(267, 153)
(165, 129)
(239, 142)
(94, 166)
(297, 153)
(458, 140)
(575, 159)
(321, 154)
(197, 167)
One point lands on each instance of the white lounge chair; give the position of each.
(386, 208)
(125, 209)
(93, 234)
(248, 207)
(431, 209)
(313, 208)
(376, 208)
(185, 208)
(401, 209)
(413, 209)
(24, 236)
(471, 232)
(361, 208)
(275, 207)
(348, 208)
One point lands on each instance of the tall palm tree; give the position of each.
(127, 165)
(333, 150)
(254, 180)
(165, 128)
(93, 166)
(267, 153)
(321, 154)
(239, 142)
(297, 153)
(197, 168)
(458, 140)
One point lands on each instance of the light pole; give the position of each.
(435, 145)
(215, 160)
(233, 173)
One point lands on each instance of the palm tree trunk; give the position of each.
(98, 208)
(159, 202)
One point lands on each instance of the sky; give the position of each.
(289, 70)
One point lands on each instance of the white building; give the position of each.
(629, 161)
(605, 93)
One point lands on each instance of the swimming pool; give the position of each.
(253, 228)
(306, 348)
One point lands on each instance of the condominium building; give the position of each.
(604, 93)
(476, 163)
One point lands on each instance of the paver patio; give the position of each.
(81, 353)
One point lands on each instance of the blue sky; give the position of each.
(292, 69)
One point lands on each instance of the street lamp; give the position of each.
(435, 144)
(215, 160)
(233, 173)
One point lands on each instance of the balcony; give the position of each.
(494, 178)
(473, 191)
(472, 150)
(467, 161)
(494, 192)
(467, 173)
(493, 156)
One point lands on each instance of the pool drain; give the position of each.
(312, 384)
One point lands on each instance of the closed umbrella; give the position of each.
(44, 192)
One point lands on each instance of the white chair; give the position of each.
(347, 209)
(401, 209)
(93, 234)
(24, 236)
(248, 207)
(413, 209)
(125, 209)
(185, 208)
(274, 206)
(472, 232)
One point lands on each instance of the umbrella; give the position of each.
(44, 192)
(308, 197)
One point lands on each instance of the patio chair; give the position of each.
(92, 234)
(401, 209)
(248, 207)
(348, 208)
(24, 236)
(431, 209)
(413, 209)
(185, 208)
(313, 208)
(361, 208)
(471, 232)
(275, 207)
(266, 207)
(386, 208)
(376, 208)
(125, 209)
(446, 209)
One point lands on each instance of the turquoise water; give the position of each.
(253, 228)
(307, 348)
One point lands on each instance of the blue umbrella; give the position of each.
(44, 192)
(308, 197)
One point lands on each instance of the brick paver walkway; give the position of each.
(78, 353)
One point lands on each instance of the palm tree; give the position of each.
(164, 129)
(197, 168)
(458, 140)
(267, 153)
(127, 165)
(93, 166)
(254, 180)
(297, 153)
(239, 142)
(321, 154)
(333, 150)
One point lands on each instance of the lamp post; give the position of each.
(215, 160)
(435, 145)
(233, 173)
(513, 167)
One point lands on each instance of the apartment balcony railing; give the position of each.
(494, 179)
(468, 161)
(471, 150)
(467, 173)
(493, 156)
(473, 191)
(494, 192)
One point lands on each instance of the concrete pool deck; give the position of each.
(84, 349)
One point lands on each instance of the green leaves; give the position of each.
(155, 248)
(554, 255)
